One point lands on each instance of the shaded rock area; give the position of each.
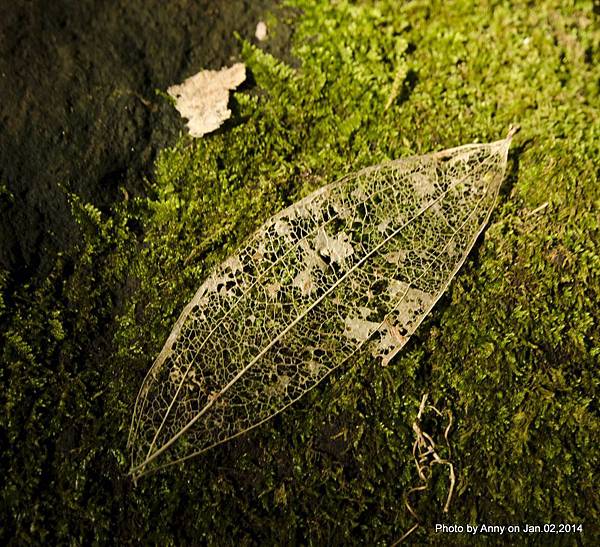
(79, 111)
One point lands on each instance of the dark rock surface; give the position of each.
(79, 110)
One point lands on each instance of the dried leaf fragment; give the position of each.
(355, 266)
(202, 98)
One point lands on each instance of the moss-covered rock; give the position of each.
(512, 351)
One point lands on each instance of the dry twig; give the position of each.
(425, 455)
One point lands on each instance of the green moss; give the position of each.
(512, 351)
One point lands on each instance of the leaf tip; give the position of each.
(512, 131)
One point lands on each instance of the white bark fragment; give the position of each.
(202, 98)
(261, 31)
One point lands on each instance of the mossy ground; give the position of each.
(512, 350)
